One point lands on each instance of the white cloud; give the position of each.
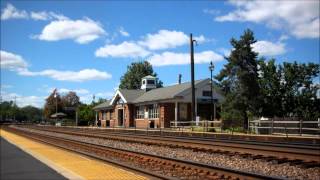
(171, 58)
(43, 15)
(12, 61)
(16, 63)
(78, 91)
(53, 15)
(73, 76)
(164, 39)
(22, 101)
(6, 86)
(300, 18)
(267, 48)
(211, 11)
(10, 12)
(224, 51)
(123, 50)
(123, 32)
(81, 31)
(283, 37)
(89, 97)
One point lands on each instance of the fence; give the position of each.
(284, 126)
(197, 125)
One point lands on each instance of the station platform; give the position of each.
(16, 164)
(22, 158)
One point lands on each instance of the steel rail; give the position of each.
(229, 173)
(204, 137)
(291, 153)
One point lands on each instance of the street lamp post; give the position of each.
(211, 68)
(56, 97)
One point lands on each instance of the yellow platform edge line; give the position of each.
(77, 167)
(61, 170)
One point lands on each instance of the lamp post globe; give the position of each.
(211, 68)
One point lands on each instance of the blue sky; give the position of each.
(86, 46)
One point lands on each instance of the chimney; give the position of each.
(179, 78)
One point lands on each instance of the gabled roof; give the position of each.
(168, 92)
(104, 105)
(127, 95)
(149, 76)
(131, 94)
(164, 93)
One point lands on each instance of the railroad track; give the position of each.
(296, 155)
(152, 165)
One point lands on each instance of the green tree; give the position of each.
(31, 114)
(239, 79)
(9, 111)
(51, 102)
(71, 99)
(86, 114)
(137, 70)
(288, 90)
(271, 89)
(70, 103)
(6, 110)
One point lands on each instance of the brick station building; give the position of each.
(151, 107)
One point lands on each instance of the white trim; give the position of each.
(197, 86)
(114, 97)
(176, 111)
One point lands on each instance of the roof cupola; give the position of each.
(148, 83)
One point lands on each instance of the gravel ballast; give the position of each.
(260, 166)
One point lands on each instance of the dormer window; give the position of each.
(150, 81)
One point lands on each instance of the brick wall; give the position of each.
(142, 124)
(166, 114)
(112, 123)
(100, 115)
(103, 123)
(189, 115)
(129, 115)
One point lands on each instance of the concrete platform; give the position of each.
(17, 164)
(70, 165)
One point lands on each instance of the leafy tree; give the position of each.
(6, 110)
(135, 72)
(288, 90)
(239, 79)
(271, 88)
(9, 111)
(31, 114)
(51, 103)
(86, 114)
(70, 100)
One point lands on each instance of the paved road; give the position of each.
(16, 164)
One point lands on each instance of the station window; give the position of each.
(206, 93)
(104, 115)
(139, 112)
(153, 111)
(111, 114)
(150, 81)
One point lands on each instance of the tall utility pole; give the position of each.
(211, 67)
(193, 104)
(15, 109)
